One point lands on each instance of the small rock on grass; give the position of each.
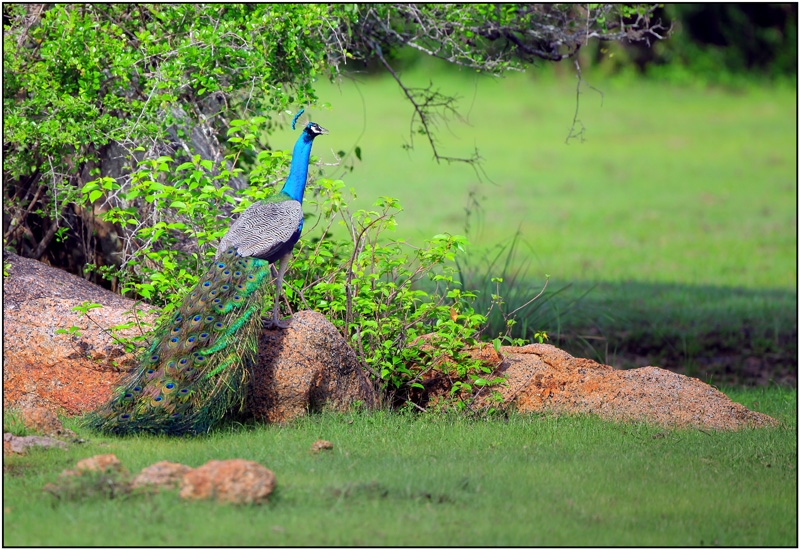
(321, 445)
(102, 475)
(235, 481)
(161, 474)
(13, 444)
(108, 463)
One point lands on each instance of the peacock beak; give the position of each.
(323, 130)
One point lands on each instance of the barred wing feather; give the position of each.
(263, 228)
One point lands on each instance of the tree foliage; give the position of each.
(87, 84)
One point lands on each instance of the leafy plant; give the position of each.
(370, 286)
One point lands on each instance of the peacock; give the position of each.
(198, 366)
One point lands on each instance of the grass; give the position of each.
(678, 212)
(675, 185)
(401, 479)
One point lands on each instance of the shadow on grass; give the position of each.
(722, 335)
(718, 334)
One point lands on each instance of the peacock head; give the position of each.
(313, 129)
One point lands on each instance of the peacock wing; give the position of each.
(263, 228)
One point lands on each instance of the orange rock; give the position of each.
(541, 378)
(43, 421)
(236, 481)
(59, 372)
(98, 463)
(310, 366)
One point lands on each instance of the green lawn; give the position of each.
(672, 184)
(678, 211)
(399, 479)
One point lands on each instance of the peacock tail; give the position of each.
(197, 368)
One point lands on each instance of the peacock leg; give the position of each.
(275, 322)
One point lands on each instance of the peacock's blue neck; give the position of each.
(298, 171)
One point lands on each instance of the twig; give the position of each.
(572, 133)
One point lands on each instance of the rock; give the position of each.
(59, 372)
(98, 475)
(321, 445)
(161, 474)
(108, 463)
(18, 445)
(236, 481)
(304, 368)
(543, 378)
(43, 421)
(309, 366)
